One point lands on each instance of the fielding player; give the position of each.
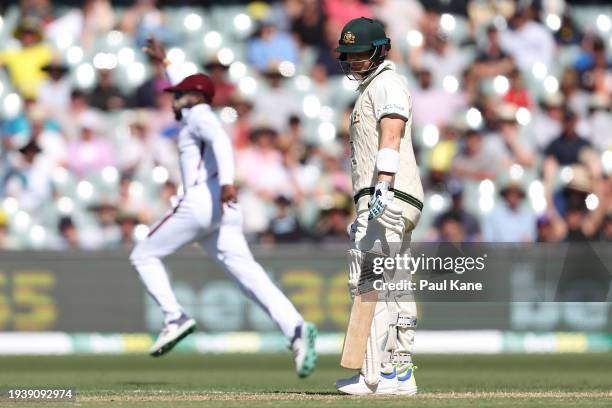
(208, 214)
(388, 198)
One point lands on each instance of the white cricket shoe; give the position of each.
(171, 334)
(303, 347)
(356, 385)
(406, 383)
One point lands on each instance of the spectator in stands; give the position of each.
(488, 106)
(550, 228)
(528, 42)
(321, 171)
(284, 227)
(321, 86)
(29, 178)
(162, 120)
(569, 33)
(580, 224)
(326, 55)
(599, 122)
(145, 19)
(450, 229)
(545, 124)
(165, 202)
(512, 220)
(25, 63)
(260, 166)
(142, 150)
(4, 231)
(340, 12)
(441, 157)
(567, 149)
(477, 161)
(435, 106)
(470, 227)
(18, 130)
(491, 59)
(517, 94)
(6, 240)
(78, 110)
(85, 26)
(309, 25)
(241, 129)
(146, 94)
(98, 18)
(54, 92)
(270, 47)
(576, 99)
(127, 223)
(593, 56)
(600, 82)
(606, 230)
(570, 203)
(224, 89)
(516, 147)
(399, 16)
(40, 10)
(276, 104)
(106, 96)
(69, 235)
(131, 198)
(106, 233)
(443, 59)
(90, 153)
(333, 221)
(45, 133)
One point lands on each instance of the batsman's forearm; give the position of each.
(390, 136)
(387, 160)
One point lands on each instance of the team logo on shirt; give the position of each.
(348, 38)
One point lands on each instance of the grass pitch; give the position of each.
(264, 380)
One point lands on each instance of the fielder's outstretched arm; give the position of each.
(155, 50)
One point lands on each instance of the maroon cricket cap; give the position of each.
(196, 83)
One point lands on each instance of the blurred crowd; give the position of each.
(512, 121)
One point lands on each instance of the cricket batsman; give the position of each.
(208, 213)
(388, 199)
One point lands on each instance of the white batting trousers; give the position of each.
(196, 219)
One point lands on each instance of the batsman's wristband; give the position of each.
(388, 160)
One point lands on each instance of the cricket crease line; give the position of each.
(222, 396)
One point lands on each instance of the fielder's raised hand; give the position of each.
(155, 50)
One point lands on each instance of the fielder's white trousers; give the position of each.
(198, 217)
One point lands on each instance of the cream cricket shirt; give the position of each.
(382, 93)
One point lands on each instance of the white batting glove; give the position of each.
(379, 200)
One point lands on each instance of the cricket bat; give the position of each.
(358, 330)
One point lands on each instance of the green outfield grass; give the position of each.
(264, 380)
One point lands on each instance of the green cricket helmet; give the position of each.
(361, 35)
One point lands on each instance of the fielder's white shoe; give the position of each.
(303, 347)
(171, 334)
(356, 385)
(406, 383)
